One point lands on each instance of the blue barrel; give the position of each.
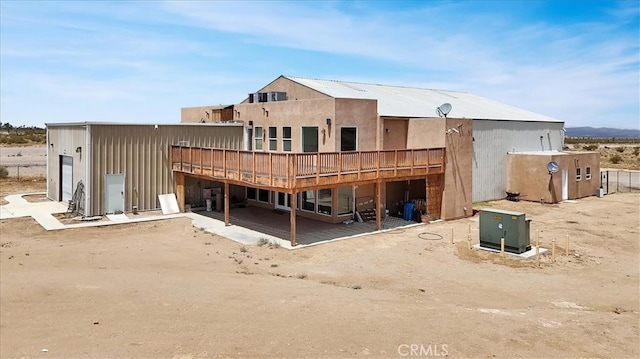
(408, 211)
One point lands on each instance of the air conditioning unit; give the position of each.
(512, 226)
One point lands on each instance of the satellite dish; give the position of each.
(553, 167)
(443, 110)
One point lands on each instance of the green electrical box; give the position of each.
(512, 226)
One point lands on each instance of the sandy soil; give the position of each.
(165, 289)
(29, 160)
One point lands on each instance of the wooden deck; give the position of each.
(293, 172)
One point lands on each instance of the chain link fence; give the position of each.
(613, 181)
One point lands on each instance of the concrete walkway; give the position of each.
(42, 212)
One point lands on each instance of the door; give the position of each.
(114, 193)
(283, 200)
(565, 185)
(66, 178)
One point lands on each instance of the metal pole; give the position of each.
(607, 181)
(617, 181)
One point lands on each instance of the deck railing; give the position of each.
(299, 170)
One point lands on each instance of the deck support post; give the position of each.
(180, 190)
(378, 205)
(226, 203)
(292, 218)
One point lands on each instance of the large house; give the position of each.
(326, 150)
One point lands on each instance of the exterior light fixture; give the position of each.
(328, 122)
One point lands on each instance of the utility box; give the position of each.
(512, 226)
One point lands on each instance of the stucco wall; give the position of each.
(458, 192)
(528, 175)
(394, 133)
(426, 133)
(294, 90)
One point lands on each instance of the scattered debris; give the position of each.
(356, 287)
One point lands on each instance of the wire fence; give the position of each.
(23, 170)
(613, 181)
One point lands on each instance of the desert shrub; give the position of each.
(620, 149)
(636, 151)
(591, 147)
(615, 159)
(4, 172)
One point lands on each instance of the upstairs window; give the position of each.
(578, 174)
(273, 138)
(587, 173)
(257, 136)
(286, 139)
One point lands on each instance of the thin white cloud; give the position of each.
(219, 51)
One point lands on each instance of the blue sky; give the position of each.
(125, 61)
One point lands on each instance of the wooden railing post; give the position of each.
(270, 169)
(295, 170)
(395, 165)
(412, 161)
(224, 162)
(339, 166)
(317, 167)
(378, 154)
(359, 163)
(200, 150)
(287, 174)
(253, 165)
(239, 165)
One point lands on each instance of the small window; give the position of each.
(273, 138)
(348, 139)
(578, 174)
(257, 135)
(587, 173)
(263, 195)
(286, 139)
(251, 193)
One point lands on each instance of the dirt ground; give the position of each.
(166, 290)
(28, 160)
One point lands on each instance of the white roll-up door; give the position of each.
(67, 178)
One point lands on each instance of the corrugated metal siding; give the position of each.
(141, 153)
(492, 141)
(64, 140)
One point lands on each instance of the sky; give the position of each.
(127, 61)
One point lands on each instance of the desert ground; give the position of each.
(28, 160)
(167, 290)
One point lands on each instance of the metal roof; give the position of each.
(397, 101)
(97, 123)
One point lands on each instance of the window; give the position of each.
(309, 201)
(324, 201)
(286, 139)
(251, 193)
(587, 173)
(257, 135)
(348, 139)
(263, 195)
(345, 200)
(578, 174)
(309, 139)
(273, 138)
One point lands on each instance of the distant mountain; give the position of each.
(601, 132)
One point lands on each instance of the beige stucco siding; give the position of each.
(528, 175)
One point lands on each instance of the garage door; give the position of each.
(66, 182)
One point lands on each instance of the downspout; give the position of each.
(88, 168)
